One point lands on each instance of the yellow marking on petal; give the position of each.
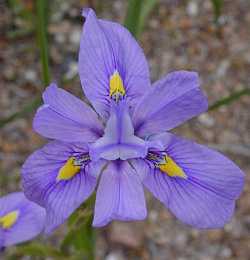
(171, 168)
(8, 220)
(116, 85)
(68, 170)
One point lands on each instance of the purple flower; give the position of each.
(20, 219)
(122, 142)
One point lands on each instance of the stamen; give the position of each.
(166, 164)
(8, 220)
(80, 161)
(116, 87)
(72, 167)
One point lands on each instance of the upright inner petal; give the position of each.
(119, 141)
(8, 220)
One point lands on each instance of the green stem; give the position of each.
(148, 6)
(81, 235)
(41, 28)
(230, 98)
(42, 21)
(22, 113)
(133, 16)
(217, 6)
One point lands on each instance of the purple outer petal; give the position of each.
(1, 239)
(172, 100)
(120, 194)
(60, 198)
(66, 118)
(206, 199)
(119, 141)
(30, 221)
(106, 47)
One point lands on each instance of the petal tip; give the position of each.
(87, 11)
(52, 86)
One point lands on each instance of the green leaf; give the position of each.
(42, 24)
(148, 6)
(22, 113)
(133, 16)
(36, 249)
(20, 9)
(137, 14)
(80, 238)
(41, 27)
(217, 5)
(225, 101)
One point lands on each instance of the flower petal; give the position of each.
(60, 198)
(1, 239)
(29, 223)
(66, 118)
(206, 198)
(120, 194)
(105, 48)
(172, 100)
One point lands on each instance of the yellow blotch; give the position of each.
(8, 220)
(171, 168)
(68, 170)
(116, 85)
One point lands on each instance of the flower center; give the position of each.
(166, 164)
(116, 87)
(118, 141)
(8, 220)
(72, 167)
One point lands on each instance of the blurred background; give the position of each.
(210, 37)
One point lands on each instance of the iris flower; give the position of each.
(20, 219)
(122, 141)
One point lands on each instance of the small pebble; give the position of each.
(192, 8)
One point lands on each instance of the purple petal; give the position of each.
(66, 118)
(172, 100)
(1, 239)
(120, 194)
(107, 47)
(206, 199)
(30, 221)
(119, 141)
(60, 198)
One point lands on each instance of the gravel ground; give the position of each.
(178, 35)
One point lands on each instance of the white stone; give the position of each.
(192, 8)
(206, 120)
